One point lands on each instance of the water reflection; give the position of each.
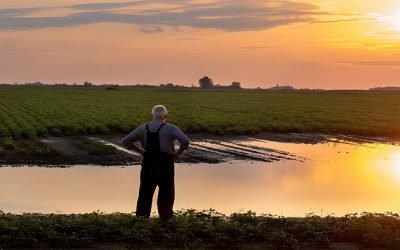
(336, 178)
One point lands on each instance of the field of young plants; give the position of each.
(30, 112)
(192, 229)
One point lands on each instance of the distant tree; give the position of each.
(168, 85)
(236, 85)
(87, 84)
(206, 82)
(34, 83)
(111, 87)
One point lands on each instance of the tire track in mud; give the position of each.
(260, 150)
(234, 154)
(216, 151)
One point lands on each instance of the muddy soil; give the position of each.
(204, 148)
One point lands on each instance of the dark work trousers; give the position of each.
(157, 170)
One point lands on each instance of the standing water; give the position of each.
(336, 177)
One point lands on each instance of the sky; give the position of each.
(331, 44)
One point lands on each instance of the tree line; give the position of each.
(208, 83)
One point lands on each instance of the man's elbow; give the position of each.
(185, 144)
(125, 143)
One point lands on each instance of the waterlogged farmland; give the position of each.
(307, 170)
(30, 112)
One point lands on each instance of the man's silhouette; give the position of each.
(158, 151)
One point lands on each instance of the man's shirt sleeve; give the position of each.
(132, 137)
(182, 138)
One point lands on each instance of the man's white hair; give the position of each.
(159, 112)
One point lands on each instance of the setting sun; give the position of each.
(393, 21)
(396, 162)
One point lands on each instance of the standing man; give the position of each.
(158, 151)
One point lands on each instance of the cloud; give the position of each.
(151, 29)
(191, 39)
(4, 13)
(386, 34)
(227, 15)
(373, 63)
(342, 20)
(104, 6)
(255, 47)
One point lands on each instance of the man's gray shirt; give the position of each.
(168, 134)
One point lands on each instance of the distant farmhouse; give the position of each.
(385, 89)
(281, 88)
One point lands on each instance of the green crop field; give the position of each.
(192, 229)
(29, 112)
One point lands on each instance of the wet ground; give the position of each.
(217, 149)
(205, 148)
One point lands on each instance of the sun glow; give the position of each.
(392, 20)
(396, 163)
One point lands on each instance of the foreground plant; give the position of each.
(198, 229)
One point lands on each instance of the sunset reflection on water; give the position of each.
(335, 178)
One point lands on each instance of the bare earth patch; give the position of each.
(64, 146)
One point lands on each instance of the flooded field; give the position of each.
(327, 176)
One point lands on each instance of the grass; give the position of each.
(7, 143)
(24, 147)
(195, 229)
(29, 112)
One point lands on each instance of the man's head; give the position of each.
(159, 112)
